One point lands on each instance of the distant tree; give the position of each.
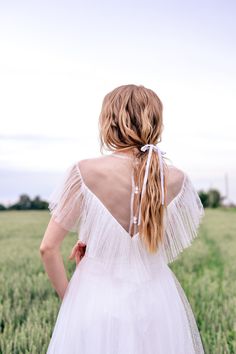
(204, 198)
(37, 203)
(214, 198)
(2, 207)
(24, 202)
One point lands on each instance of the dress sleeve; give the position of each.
(183, 217)
(65, 201)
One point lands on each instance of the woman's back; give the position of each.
(110, 178)
(99, 199)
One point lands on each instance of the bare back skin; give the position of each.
(109, 178)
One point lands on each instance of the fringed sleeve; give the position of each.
(183, 216)
(66, 200)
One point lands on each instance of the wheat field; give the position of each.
(29, 305)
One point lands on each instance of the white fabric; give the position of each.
(121, 299)
(156, 148)
(183, 216)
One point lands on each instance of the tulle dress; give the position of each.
(120, 298)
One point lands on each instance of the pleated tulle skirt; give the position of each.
(102, 314)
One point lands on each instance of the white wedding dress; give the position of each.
(121, 299)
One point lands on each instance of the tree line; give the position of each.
(210, 199)
(26, 203)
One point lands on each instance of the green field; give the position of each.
(29, 305)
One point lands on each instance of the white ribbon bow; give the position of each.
(152, 147)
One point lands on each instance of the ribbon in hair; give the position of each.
(152, 147)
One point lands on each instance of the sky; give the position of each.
(59, 59)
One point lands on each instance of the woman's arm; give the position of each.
(51, 256)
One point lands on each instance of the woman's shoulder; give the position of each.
(175, 178)
(174, 172)
(92, 169)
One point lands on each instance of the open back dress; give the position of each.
(121, 299)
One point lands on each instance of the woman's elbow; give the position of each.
(46, 249)
(52, 239)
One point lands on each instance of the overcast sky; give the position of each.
(59, 59)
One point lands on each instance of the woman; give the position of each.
(134, 214)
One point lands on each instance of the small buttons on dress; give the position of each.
(136, 190)
(135, 220)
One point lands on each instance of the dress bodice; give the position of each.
(95, 198)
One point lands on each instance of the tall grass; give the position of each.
(207, 272)
(29, 305)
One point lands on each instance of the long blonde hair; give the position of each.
(131, 116)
